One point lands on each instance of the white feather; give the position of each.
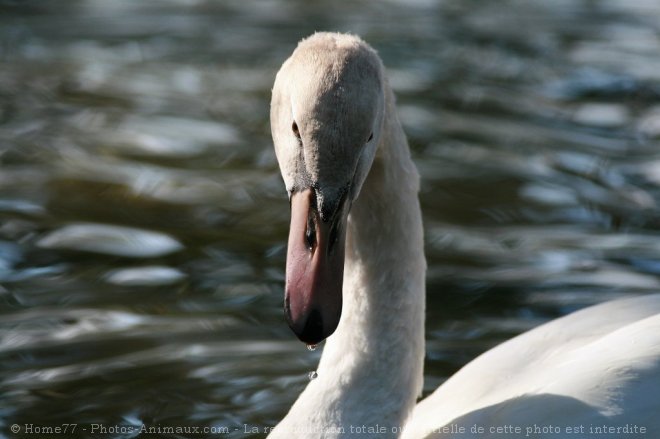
(597, 367)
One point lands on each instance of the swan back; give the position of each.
(596, 366)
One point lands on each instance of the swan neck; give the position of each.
(377, 351)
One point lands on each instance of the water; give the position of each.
(143, 222)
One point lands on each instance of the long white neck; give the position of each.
(371, 370)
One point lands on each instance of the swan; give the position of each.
(355, 274)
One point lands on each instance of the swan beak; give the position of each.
(314, 269)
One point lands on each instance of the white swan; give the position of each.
(341, 149)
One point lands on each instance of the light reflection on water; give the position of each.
(143, 221)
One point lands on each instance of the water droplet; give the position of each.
(311, 347)
(313, 375)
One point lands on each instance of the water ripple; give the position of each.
(110, 240)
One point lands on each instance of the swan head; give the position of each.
(326, 116)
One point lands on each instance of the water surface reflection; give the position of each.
(143, 221)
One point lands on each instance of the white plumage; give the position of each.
(596, 368)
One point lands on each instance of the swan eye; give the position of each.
(371, 136)
(296, 132)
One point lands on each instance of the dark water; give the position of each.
(143, 220)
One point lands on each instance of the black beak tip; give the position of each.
(311, 332)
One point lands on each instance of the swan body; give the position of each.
(355, 273)
(595, 367)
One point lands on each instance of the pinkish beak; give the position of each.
(314, 269)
